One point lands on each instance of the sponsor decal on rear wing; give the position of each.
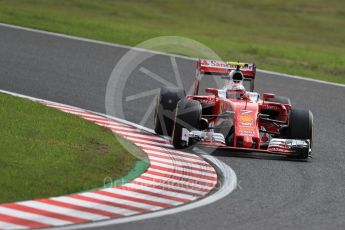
(222, 68)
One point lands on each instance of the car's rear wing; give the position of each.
(221, 67)
(212, 67)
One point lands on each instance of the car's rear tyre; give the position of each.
(167, 100)
(188, 114)
(301, 127)
(280, 99)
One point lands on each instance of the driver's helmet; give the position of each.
(235, 91)
(236, 75)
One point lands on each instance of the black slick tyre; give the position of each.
(167, 100)
(301, 127)
(188, 114)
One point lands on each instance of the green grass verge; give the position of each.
(297, 37)
(46, 152)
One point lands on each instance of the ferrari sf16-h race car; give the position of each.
(233, 116)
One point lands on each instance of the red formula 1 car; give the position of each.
(233, 116)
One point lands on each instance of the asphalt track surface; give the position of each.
(273, 193)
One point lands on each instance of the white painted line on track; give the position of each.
(300, 78)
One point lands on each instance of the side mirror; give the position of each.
(268, 95)
(212, 91)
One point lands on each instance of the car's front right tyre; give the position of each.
(188, 114)
(167, 100)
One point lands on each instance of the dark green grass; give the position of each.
(45, 152)
(297, 37)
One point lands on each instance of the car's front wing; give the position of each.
(279, 146)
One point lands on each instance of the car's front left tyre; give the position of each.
(301, 127)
